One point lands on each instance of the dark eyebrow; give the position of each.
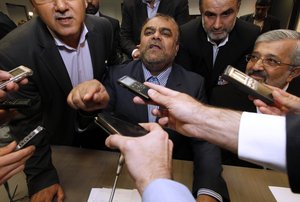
(229, 11)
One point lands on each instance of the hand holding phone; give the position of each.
(18, 74)
(248, 84)
(134, 86)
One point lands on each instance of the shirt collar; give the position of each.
(162, 77)
(59, 42)
(155, 2)
(220, 44)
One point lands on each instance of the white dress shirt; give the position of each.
(262, 140)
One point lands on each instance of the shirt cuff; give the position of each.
(209, 192)
(262, 140)
(162, 190)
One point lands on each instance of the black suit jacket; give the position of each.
(196, 53)
(134, 14)
(270, 22)
(32, 45)
(6, 25)
(293, 151)
(207, 166)
(117, 40)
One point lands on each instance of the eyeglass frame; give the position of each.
(276, 63)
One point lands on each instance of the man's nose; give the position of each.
(218, 23)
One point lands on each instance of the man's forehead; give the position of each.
(159, 23)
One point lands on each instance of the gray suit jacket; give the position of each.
(207, 161)
(32, 45)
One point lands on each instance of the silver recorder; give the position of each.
(248, 84)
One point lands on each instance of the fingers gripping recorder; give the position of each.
(18, 74)
(113, 125)
(248, 84)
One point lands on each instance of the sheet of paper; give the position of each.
(283, 194)
(121, 195)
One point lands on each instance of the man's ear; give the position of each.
(294, 73)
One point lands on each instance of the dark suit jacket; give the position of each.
(270, 22)
(207, 172)
(6, 25)
(134, 14)
(196, 53)
(293, 151)
(117, 40)
(32, 45)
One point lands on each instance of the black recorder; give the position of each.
(134, 86)
(248, 84)
(114, 125)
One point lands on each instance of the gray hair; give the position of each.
(283, 34)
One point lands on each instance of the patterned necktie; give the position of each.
(152, 118)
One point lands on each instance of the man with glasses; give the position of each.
(63, 47)
(274, 61)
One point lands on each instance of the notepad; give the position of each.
(283, 194)
(121, 195)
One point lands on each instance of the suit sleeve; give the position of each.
(293, 151)
(207, 164)
(126, 33)
(182, 12)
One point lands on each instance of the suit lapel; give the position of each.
(52, 60)
(174, 80)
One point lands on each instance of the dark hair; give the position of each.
(200, 1)
(263, 3)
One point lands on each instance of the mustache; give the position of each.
(258, 73)
(58, 15)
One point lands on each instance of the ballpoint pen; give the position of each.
(119, 168)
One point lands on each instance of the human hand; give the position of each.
(284, 103)
(11, 86)
(148, 157)
(88, 96)
(177, 110)
(48, 194)
(206, 198)
(136, 53)
(11, 161)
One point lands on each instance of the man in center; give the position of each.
(159, 46)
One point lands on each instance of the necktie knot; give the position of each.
(153, 79)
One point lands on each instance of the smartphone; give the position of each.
(248, 84)
(18, 74)
(134, 86)
(15, 104)
(29, 137)
(114, 125)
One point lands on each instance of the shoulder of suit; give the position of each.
(246, 28)
(187, 73)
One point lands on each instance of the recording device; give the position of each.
(134, 86)
(248, 84)
(15, 104)
(29, 137)
(114, 125)
(18, 74)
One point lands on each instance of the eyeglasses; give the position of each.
(269, 62)
(40, 2)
